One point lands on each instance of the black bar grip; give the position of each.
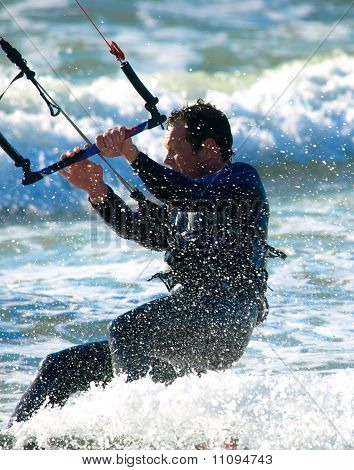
(17, 59)
(138, 85)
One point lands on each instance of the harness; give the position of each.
(217, 266)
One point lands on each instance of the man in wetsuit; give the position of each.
(213, 228)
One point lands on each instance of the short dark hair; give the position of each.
(203, 121)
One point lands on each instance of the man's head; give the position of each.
(198, 140)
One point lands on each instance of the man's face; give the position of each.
(180, 154)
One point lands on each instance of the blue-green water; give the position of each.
(64, 276)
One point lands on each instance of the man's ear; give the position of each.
(210, 145)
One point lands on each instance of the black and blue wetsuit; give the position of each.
(213, 231)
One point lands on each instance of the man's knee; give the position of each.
(54, 362)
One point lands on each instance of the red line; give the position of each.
(94, 25)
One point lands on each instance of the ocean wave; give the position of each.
(279, 116)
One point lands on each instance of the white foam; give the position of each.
(272, 411)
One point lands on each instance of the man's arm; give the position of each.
(148, 231)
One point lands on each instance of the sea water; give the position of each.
(64, 276)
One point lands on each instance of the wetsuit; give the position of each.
(213, 230)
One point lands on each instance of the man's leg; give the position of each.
(134, 337)
(64, 373)
(180, 333)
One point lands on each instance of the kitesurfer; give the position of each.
(213, 228)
